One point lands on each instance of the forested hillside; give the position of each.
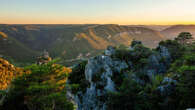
(71, 42)
(124, 77)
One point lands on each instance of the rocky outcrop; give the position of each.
(167, 87)
(158, 62)
(44, 58)
(98, 72)
(110, 51)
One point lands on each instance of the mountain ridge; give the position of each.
(79, 41)
(69, 41)
(173, 31)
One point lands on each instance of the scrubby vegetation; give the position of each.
(137, 54)
(156, 93)
(42, 89)
(183, 70)
(45, 86)
(170, 88)
(7, 73)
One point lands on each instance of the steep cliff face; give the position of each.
(102, 73)
(98, 73)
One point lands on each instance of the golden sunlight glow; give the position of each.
(163, 12)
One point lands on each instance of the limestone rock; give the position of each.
(44, 58)
(110, 51)
(98, 72)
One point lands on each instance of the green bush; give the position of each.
(183, 37)
(140, 52)
(183, 70)
(127, 98)
(176, 49)
(42, 89)
(133, 96)
(122, 53)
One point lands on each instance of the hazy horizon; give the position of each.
(99, 24)
(123, 12)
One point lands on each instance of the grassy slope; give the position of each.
(16, 50)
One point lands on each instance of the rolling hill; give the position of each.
(153, 27)
(12, 48)
(71, 42)
(173, 31)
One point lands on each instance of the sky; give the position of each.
(137, 12)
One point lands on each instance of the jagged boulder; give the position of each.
(44, 58)
(164, 52)
(141, 64)
(168, 80)
(158, 62)
(98, 72)
(110, 51)
(144, 77)
(167, 87)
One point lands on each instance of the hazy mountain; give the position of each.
(71, 42)
(153, 27)
(173, 31)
